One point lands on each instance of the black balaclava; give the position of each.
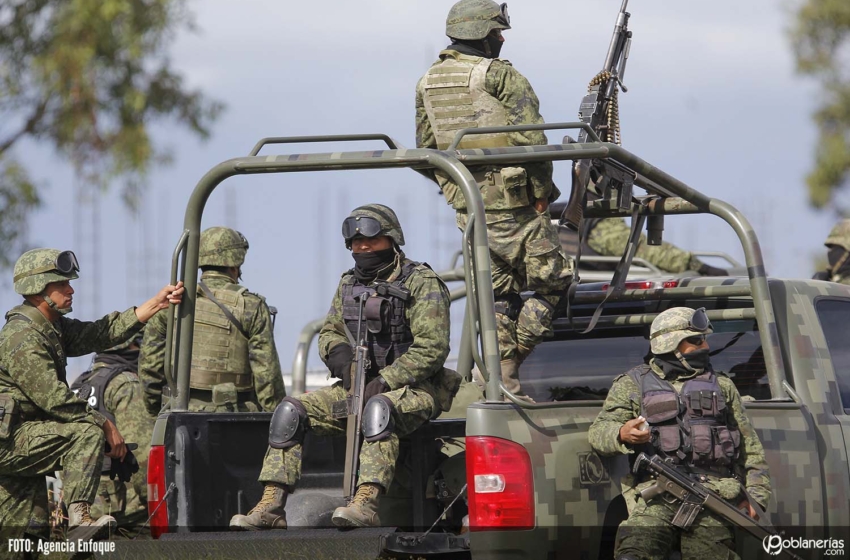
(368, 266)
(839, 263)
(674, 364)
(488, 47)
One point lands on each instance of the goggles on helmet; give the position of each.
(696, 340)
(65, 263)
(699, 322)
(360, 225)
(503, 16)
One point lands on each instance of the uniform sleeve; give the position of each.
(31, 368)
(152, 362)
(619, 408)
(752, 460)
(83, 337)
(333, 331)
(265, 363)
(124, 400)
(428, 315)
(515, 92)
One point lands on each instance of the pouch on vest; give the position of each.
(515, 184)
(8, 415)
(224, 393)
(701, 441)
(377, 314)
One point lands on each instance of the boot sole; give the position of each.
(346, 522)
(92, 532)
(240, 525)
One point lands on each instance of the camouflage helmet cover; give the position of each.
(840, 235)
(471, 20)
(120, 348)
(222, 246)
(671, 327)
(385, 216)
(35, 269)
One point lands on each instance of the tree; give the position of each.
(821, 40)
(88, 77)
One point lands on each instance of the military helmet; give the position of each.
(135, 339)
(221, 246)
(371, 220)
(472, 20)
(840, 235)
(674, 325)
(37, 268)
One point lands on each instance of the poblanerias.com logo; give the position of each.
(775, 544)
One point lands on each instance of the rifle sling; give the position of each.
(230, 317)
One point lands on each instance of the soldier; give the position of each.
(407, 384)
(44, 427)
(469, 86)
(112, 387)
(838, 245)
(247, 378)
(608, 237)
(678, 407)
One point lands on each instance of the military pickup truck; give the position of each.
(783, 342)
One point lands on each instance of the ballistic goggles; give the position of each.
(360, 225)
(503, 16)
(698, 322)
(65, 263)
(696, 340)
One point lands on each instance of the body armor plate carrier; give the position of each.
(220, 350)
(693, 428)
(390, 338)
(91, 385)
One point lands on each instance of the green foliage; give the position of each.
(17, 197)
(88, 77)
(821, 39)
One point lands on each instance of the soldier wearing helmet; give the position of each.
(36, 404)
(112, 387)
(406, 310)
(469, 86)
(838, 255)
(245, 378)
(678, 407)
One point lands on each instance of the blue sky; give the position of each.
(713, 100)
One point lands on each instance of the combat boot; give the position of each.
(82, 527)
(510, 378)
(267, 514)
(362, 511)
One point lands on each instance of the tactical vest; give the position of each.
(395, 336)
(692, 428)
(46, 330)
(219, 349)
(91, 386)
(455, 97)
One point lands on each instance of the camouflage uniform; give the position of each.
(410, 377)
(648, 533)
(55, 430)
(609, 237)
(254, 355)
(123, 398)
(839, 237)
(465, 88)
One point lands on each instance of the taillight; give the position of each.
(157, 508)
(670, 284)
(639, 285)
(501, 485)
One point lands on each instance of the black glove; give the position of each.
(375, 387)
(339, 362)
(708, 270)
(123, 470)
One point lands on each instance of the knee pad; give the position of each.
(377, 418)
(289, 424)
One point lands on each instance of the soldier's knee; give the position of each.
(289, 424)
(378, 423)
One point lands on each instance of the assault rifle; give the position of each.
(600, 110)
(359, 368)
(695, 497)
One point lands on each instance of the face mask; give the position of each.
(837, 257)
(696, 360)
(495, 45)
(368, 265)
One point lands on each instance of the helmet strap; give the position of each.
(52, 305)
(685, 363)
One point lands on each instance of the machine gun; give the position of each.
(359, 368)
(600, 110)
(695, 497)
